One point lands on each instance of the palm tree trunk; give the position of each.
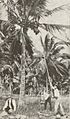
(47, 77)
(0, 86)
(69, 99)
(10, 88)
(22, 85)
(46, 84)
(23, 62)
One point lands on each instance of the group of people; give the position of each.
(56, 94)
(10, 104)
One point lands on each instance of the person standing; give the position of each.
(9, 107)
(47, 98)
(58, 106)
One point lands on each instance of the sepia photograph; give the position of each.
(34, 59)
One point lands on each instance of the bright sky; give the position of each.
(55, 3)
(62, 17)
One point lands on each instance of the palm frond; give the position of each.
(60, 68)
(58, 27)
(62, 65)
(45, 27)
(11, 7)
(28, 45)
(65, 56)
(16, 47)
(35, 62)
(55, 57)
(52, 43)
(60, 8)
(61, 41)
(55, 45)
(47, 42)
(36, 7)
(57, 50)
(55, 67)
(63, 70)
(42, 43)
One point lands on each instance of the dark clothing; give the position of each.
(48, 100)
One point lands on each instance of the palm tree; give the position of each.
(26, 14)
(52, 60)
(21, 14)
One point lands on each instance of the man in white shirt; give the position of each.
(9, 107)
(58, 105)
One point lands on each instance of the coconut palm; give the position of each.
(26, 14)
(51, 61)
(21, 14)
(53, 56)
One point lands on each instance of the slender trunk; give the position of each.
(1, 87)
(69, 99)
(47, 77)
(10, 88)
(46, 84)
(22, 85)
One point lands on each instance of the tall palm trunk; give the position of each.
(22, 85)
(48, 79)
(69, 98)
(47, 76)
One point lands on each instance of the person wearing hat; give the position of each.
(9, 107)
(58, 106)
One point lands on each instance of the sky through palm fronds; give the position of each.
(61, 17)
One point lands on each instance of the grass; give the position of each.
(32, 106)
